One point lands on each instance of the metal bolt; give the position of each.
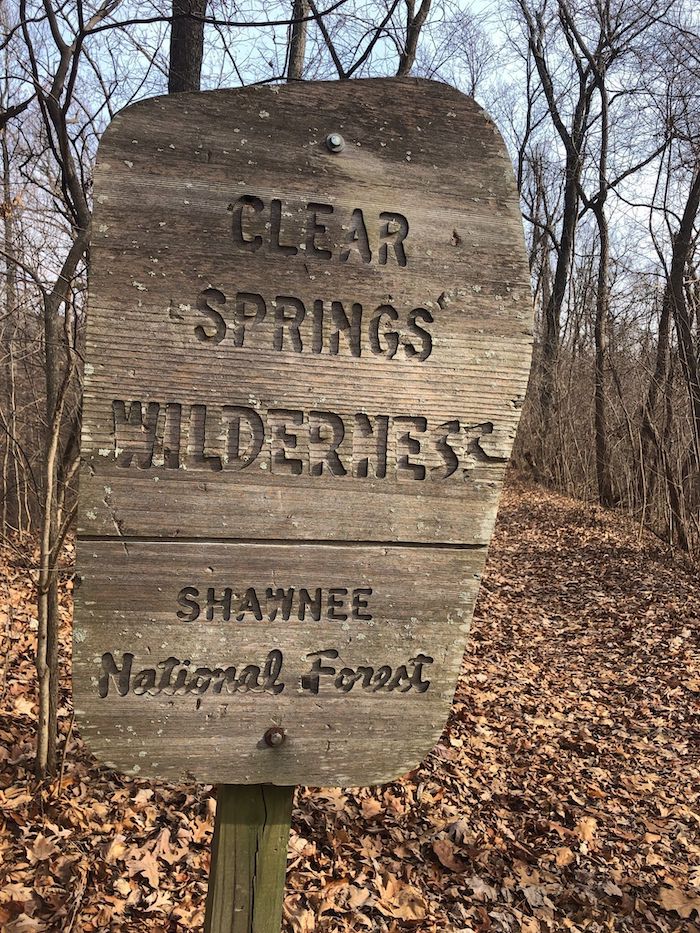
(335, 142)
(275, 737)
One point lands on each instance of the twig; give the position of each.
(327, 38)
(6, 655)
(63, 757)
(79, 895)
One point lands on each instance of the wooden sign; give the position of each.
(308, 343)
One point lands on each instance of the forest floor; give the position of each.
(562, 795)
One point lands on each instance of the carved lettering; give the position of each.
(119, 676)
(326, 433)
(394, 231)
(135, 433)
(249, 678)
(206, 304)
(323, 676)
(292, 442)
(283, 437)
(335, 327)
(247, 205)
(276, 246)
(289, 314)
(209, 603)
(318, 231)
(358, 241)
(250, 309)
(245, 434)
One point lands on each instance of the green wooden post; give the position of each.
(248, 859)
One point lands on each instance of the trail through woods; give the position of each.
(563, 795)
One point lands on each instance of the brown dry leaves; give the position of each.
(562, 797)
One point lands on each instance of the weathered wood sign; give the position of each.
(308, 343)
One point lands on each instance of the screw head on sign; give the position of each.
(335, 142)
(275, 737)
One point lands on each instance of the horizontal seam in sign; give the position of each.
(292, 542)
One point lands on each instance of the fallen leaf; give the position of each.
(481, 889)
(611, 888)
(678, 901)
(564, 856)
(42, 849)
(585, 828)
(24, 706)
(25, 924)
(371, 808)
(446, 853)
(116, 850)
(146, 866)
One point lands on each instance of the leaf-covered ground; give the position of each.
(563, 795)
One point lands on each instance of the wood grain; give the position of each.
(303, 369)
(412, 147)
(249, 859)
(421, 602)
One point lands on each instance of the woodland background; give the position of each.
(599, 104)
(561, 798)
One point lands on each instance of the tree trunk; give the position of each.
(59, 370)
(552, 312)
(682, 247)
(602, 454)
(11, 503)
(650, 439)
(297, 40)
(573, 139)
(47, 603)
(414, 24)
(186, 45)
(654, 449)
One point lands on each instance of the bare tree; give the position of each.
(186, 45)
(73, 68)
(599, 101)
(415, 21)
(297, 40)
(572, 131)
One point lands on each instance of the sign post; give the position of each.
(308, 344)
(248, 859)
